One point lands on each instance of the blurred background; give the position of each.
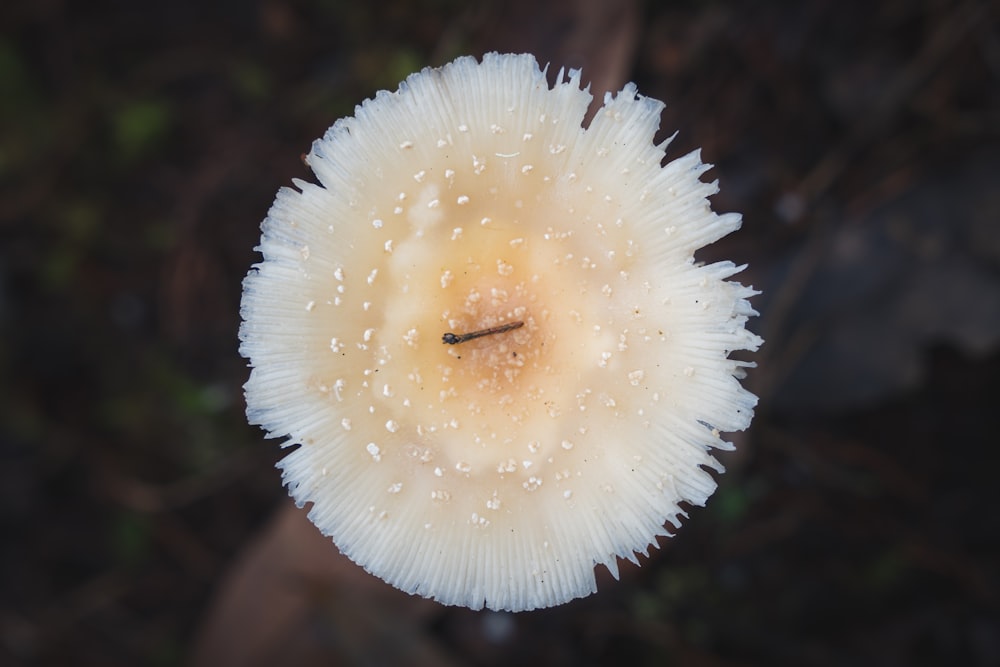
(143, 521)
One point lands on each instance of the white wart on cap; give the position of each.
(500, 470)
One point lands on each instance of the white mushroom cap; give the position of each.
(500, 471)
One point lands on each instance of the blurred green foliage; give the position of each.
(139, 127)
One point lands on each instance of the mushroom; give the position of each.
(485, 339)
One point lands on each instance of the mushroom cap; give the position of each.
(499, 471)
